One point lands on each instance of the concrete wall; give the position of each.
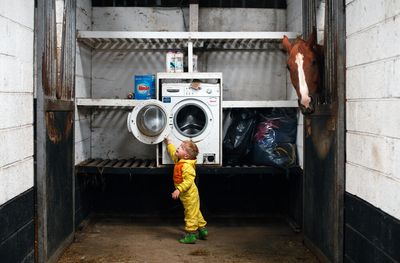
(16, 97)
(112, 74)
(252, 75)
(83, 83)
(373, 102)
(320, 16)
(262, 73)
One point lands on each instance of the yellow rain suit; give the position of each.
(184, 175)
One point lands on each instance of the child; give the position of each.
(184, 173)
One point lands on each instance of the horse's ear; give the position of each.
(286, 44)
(312, 39)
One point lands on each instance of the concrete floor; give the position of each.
(129, 239)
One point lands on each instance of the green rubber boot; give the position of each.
(203, 233)
(189, 238)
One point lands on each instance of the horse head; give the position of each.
(305, 64)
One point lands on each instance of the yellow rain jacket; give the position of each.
(184, 175)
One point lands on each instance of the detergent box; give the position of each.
(144, 88)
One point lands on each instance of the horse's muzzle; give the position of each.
(310, 109)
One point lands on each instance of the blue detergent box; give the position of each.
(145, 87)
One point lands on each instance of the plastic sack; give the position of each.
(274, 139)
(237, 140)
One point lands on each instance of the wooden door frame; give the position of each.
(55, 86)
(335, 72)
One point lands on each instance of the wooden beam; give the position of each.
(193, 17)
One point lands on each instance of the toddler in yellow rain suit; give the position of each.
(184, 158)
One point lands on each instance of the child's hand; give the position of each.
(167, 140)
(175, 194)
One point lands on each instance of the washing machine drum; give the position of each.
(151, 120)
(190, 121)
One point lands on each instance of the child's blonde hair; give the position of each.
(191, 149)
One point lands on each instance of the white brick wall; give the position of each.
(16, 96)
(373, 102)
(15, 179)
(17, 144)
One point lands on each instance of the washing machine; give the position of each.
(195, 114)
(182, 113)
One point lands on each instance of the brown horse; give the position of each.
(305, 64)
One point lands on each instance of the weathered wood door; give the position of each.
(324, 141)
(54, 179)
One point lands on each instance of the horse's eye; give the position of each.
(287, 66)
(314, 61)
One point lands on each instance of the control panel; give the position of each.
(185, 90)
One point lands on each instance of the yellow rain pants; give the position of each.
(184, 175)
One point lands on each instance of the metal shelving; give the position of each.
(260, 104)
(128, 40)
(128, 103)
(107, 102)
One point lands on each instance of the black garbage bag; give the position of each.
(274, 140)
(237, 141)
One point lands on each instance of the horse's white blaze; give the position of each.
(305, 99)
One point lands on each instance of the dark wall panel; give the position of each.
(30, 258)
(295, 195)
(150, 195)
(319, 195)
(371, 235)
(244, 194)
(84, 198)
(17, 229)
(59, 184)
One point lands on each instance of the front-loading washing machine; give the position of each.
(182, 113)
(195, 114)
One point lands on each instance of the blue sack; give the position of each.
(274, 140)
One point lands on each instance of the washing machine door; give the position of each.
(192, 119)
(148, 122)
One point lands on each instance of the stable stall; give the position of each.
(219, 80)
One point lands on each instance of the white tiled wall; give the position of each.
(16, 97)
(373, 102)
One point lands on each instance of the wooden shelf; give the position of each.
(128, 40)
(148, 167)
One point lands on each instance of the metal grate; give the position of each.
(148, 167)
(116, 163)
